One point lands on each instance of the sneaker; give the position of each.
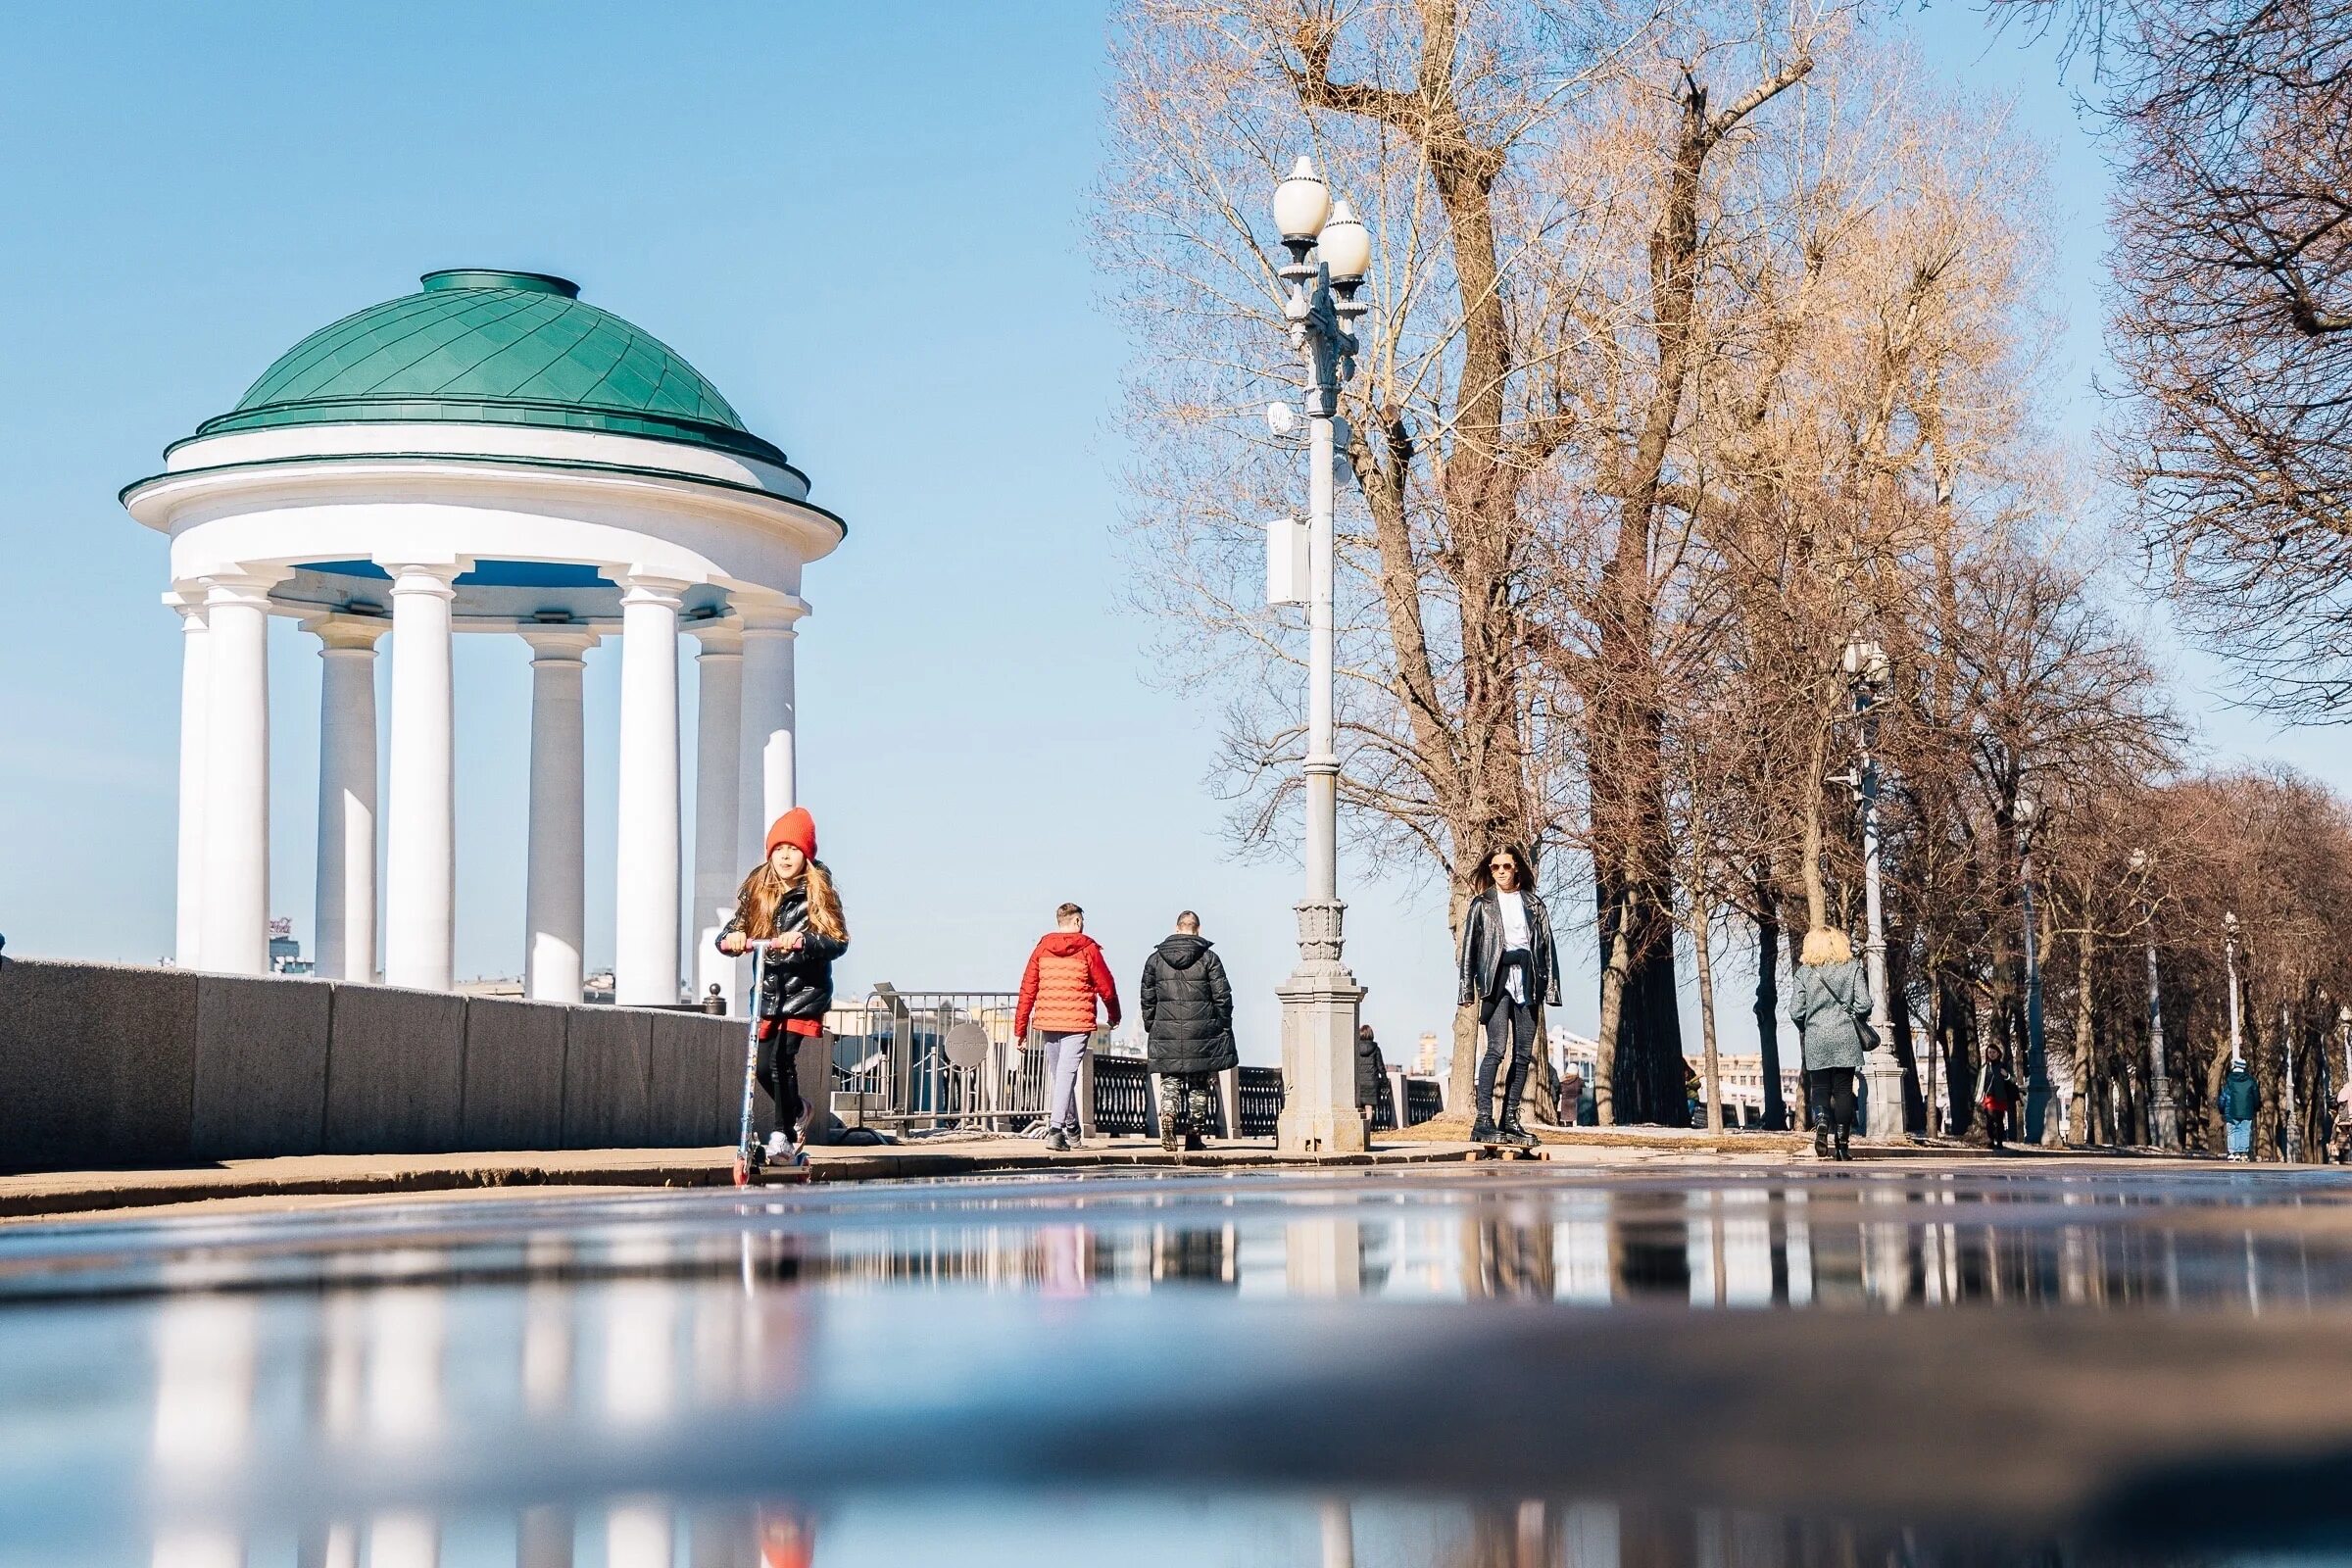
(1168, 1136)
(779, 1147)
(1058, 1141)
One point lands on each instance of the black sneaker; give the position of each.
(1058, 1141)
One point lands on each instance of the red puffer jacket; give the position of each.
(1066, 976)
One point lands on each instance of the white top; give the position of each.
(1514, 938)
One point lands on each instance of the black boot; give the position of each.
(1514, 1086)
(1198, 1113)
(1482, 1122)
(1843, 1152)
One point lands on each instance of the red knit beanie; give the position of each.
(797, 828)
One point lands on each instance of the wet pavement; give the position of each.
(1461, 1365)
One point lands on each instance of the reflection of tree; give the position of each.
(1506, 1255)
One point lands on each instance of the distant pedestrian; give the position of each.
(789, 901)
(1510, 971)
(1187, 1028)
(1066, 977)
(1997, 1099)
(1370, 1069)
(2241, 1098)
(1831, 1013)
(2343, 1124)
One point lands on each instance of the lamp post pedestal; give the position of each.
(1320, 1005)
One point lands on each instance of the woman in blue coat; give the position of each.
(1830, 1010)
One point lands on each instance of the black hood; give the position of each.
(1183, 952)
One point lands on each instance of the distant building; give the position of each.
(285, 954)
(1425, 1060)
(1742, 1078)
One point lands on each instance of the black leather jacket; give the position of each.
(797, 984)
(1480, 962)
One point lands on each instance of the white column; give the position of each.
(420, 796)
(194, 679)
(770, 787)
(717, 745)
(645, 926)
(346, 919)
(556, 888)
(235, 934)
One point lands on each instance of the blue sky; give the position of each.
(867, 226)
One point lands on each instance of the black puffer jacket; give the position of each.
(797, 984)
(1188, 1007)
(1480, 955)
(1370, 1069)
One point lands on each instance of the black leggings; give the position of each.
(785, 1090)
(1511, 1030)
(1831, 1090)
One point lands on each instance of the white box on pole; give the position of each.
(1286, 571)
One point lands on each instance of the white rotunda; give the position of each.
(487, 454)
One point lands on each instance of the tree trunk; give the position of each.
(1768, 1008)
(2084, 1055)
(1906, 1054)
(1710, 1080)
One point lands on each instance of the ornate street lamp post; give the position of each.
(2164, 1113)
(2038, 1056)
(1866, 673)
(2237, 1045)
(1330, 252)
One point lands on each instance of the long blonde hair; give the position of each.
(1826, 945)
(763, 893)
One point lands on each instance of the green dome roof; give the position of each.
(477, 346)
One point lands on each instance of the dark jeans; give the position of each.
(1831, 1091)
(783, 1048)
(1511, 1029)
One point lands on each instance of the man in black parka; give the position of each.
(1187, 1020)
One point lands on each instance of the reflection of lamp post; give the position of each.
(2164, 1115)
(2037, 1057)
(1320, 998)
(1866, 673)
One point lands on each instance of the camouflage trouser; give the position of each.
(1187, 1102)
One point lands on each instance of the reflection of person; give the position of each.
(790, 902)
(1066, 976)
(1510, 972)
(2239, 1100)
(1830, 1011)
(1187, 1028)
(1370, 1069)
(787, 1537)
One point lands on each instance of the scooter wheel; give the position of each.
(743, 1171)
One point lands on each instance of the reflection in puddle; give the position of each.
(1438, 1370)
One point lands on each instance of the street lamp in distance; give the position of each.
(2164, 1113)
(1330, 254)
(1867, 674)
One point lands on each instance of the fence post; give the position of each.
(1086, 1091)
(1229, 1097)
(1401, 1097)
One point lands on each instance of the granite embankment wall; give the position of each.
(116, 1064)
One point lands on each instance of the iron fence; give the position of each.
(949, 1060)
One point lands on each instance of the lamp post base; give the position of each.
(1320, 1005)
(1883, 1089)
(2164, 1113)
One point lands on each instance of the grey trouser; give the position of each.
(1063, 1054)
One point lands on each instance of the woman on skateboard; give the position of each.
(789, 902)
(1510, 972)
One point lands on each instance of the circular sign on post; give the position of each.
(965, 1045)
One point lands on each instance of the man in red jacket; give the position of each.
(1066, 976)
